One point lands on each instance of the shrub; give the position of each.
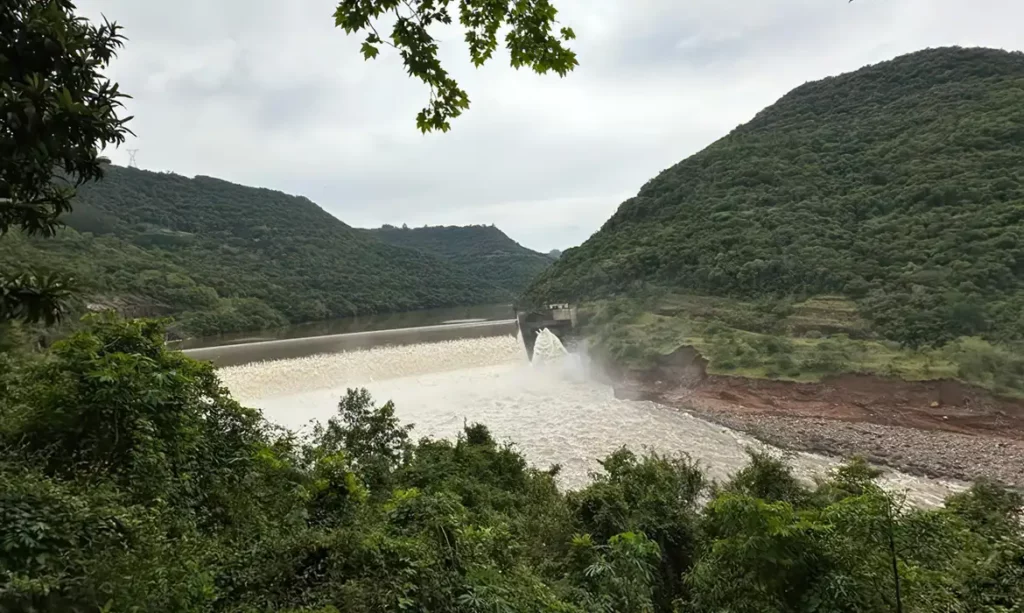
(107, 503)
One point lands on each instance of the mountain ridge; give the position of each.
(898, 185)
(219, 256)
(483, 251)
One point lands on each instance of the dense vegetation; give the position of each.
(57, 111)
(797, 341)
(223, 257)
(484, 252)
(130, 481)
(899, 185)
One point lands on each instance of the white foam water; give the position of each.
(250, 383)
(548, 348)
(551, 408)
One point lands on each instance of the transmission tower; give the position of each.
(131, 156)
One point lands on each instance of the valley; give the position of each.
(218, 258)
(787, 375)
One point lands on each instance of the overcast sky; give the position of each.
(269, 93)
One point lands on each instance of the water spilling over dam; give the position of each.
(552, 407)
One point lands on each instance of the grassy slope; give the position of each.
(805, 341)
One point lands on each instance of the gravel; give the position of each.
(930, 453)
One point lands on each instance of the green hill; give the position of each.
(484, 252)
(223, 257)
(900, 186)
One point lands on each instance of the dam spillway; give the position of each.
(551, 408)
(292, 348)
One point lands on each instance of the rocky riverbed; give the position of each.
(932, 428)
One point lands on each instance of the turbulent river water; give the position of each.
(552, 409)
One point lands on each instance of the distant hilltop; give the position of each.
(220, 257)
(899, 185)
(485, 252)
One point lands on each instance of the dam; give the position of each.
(553, 408)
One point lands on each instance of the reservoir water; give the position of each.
(363, 323)
(553, 409)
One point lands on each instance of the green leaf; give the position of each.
(533, 39)
(369, 51)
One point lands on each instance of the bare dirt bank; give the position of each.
(936, 428)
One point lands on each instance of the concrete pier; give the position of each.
(560, 319)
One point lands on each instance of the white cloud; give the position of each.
(269, 93)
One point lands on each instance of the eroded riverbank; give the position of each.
(933, 428)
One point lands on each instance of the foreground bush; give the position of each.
(130, 481)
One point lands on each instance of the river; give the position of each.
(553, 409)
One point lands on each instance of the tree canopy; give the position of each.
(57, 112)
(898, 185)
(485, 252)
(131, 481)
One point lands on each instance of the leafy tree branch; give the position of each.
(532, 39)
(57, 112)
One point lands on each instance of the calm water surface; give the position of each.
(365, 323)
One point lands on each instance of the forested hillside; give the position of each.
(222, 257)
(900, 185)
(485, 252)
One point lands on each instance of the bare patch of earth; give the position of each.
(936, 428)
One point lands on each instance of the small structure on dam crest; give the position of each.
(560, 319)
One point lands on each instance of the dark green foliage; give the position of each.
(485, 252)
(34, 298)
(1000, 368)
(130, 481)
(124, 464)
(371, 437)
(115, 403)
(617, 576)
(57, 112)
(529, 38)
(898, 185)
(655, 496)
(768, 478)
(222, 257)
(988, 508)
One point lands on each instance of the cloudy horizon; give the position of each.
(270, 94)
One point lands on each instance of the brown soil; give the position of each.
(938, 428)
